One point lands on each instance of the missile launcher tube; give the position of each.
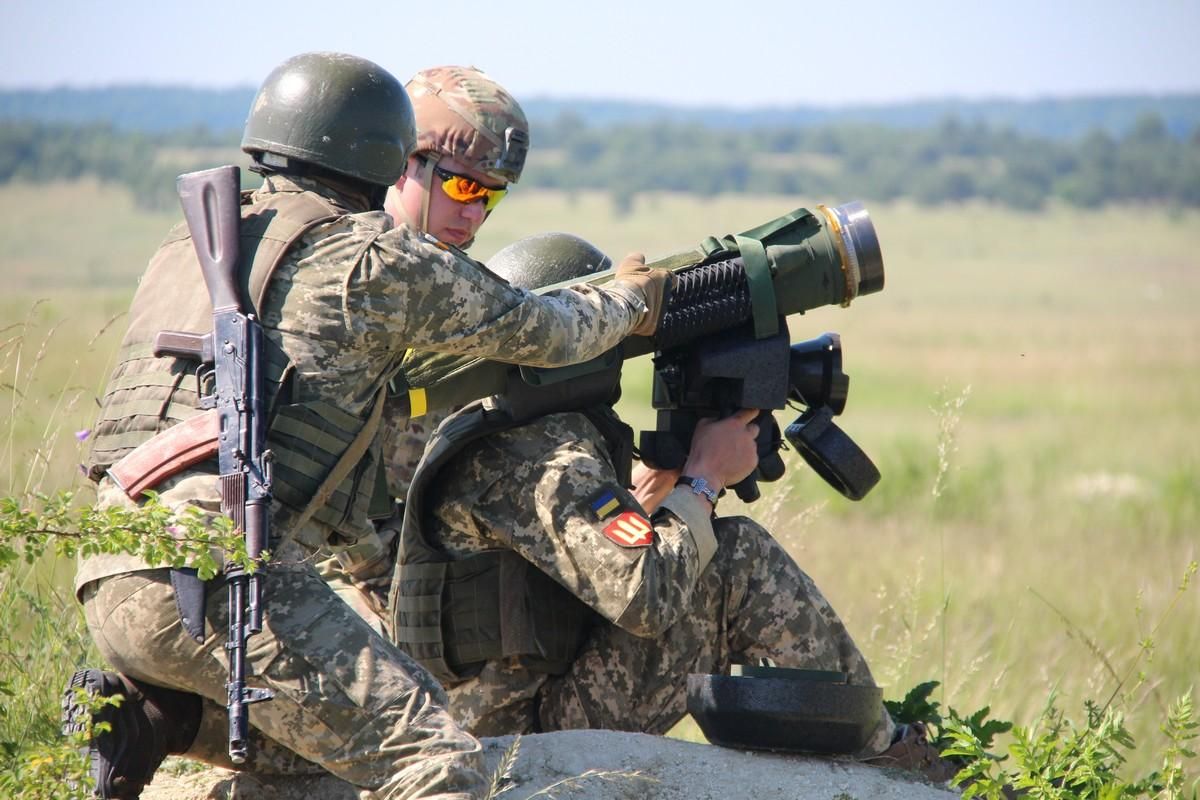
(800, 261)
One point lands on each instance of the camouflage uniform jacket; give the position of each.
(354, 293)
(549, 491)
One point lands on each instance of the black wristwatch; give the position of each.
(699, 486)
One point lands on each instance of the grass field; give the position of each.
(1028, 384)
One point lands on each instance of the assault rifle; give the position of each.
(723, 344)
(211, 206)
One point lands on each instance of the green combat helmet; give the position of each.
(536, 262)
(335, 111)
(462, 113)
(548, 258)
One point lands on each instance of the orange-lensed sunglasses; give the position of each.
(467, 190)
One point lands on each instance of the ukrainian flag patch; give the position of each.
(605, 504)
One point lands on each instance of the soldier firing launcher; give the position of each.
(723, 344)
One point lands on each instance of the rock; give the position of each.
(603, 765)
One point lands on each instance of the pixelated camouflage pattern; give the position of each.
(351, 296)
(404, 441)
(531, 489)
(531, 262)
(361, 573)
(448, 97)
(355, 293)
(346, 700)
(355, 590)
(463, 113)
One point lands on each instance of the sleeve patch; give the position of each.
(630, 529)
(605, 504)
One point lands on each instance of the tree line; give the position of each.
(950, 162)
(147, 163)
(167, 108)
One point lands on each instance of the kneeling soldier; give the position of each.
(341, 294)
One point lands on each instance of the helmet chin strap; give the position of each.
(425, 176)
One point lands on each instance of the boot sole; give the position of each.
(76, 715)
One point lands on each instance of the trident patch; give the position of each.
(630, 529)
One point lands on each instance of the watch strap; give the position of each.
(699, 486)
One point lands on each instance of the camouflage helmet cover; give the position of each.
(545, 259)
(461, 112)
(337, 111)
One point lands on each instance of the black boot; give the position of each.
(912, 751)
(150, 724)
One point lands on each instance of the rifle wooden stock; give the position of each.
(168, 453)
(211, 203)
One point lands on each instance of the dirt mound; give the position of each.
(604, 765)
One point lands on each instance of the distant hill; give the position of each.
(1064, 118)
(157, 109)
(147, 109)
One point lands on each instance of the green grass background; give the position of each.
(1041, 369)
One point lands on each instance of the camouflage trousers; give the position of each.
(752, 602)
(346, 700)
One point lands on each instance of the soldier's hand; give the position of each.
(375, 592)
(724, 450)
(651, 485)
(653, 285)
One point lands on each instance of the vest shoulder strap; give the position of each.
(272, 230)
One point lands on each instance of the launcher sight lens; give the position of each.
(815, 373)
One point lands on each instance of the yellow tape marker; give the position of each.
(417, 403)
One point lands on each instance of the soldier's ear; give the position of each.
(415, 162)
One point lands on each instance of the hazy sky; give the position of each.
(739, 53)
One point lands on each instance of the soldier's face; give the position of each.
(449, 220)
